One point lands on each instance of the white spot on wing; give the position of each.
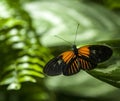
(59, 62)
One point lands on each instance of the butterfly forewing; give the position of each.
(67, 56)
(90, 56)
(54, 66)
(100, 53)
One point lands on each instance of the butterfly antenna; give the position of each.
(63, 39)
(76, 33)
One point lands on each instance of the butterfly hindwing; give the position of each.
(72, 67)
(86, 63)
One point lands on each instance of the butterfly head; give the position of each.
(75, 50)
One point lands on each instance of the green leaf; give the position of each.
(82, 84)
(109, 71)
(14, 86)
(23, 56)
(95, 22)
(113, 4)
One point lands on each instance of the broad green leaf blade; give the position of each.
(81, 84)
(112, 4)
(85, 85)
(95, 22)
(109, 71)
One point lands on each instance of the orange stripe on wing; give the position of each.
(84, 51)
(75, 66)
(67, 56)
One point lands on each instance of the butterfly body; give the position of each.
(71, 62)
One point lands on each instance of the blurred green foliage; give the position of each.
(27, 42)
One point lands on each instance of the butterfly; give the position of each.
(71, 62)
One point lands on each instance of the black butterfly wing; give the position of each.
(86, 63)
(90, 56)
(100, 53)
(54, 66)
